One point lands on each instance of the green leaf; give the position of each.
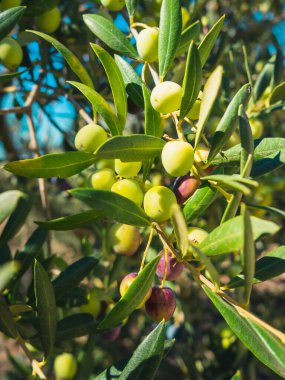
(73, 275)
(199, 202)
(110, 34)
(236, 376)
(8, 203)
(262, 343)
(209, 40)
(228, 122)
(10, 18)
(234, 182)
(101, 106)
(192, 80)
(116, 82)
(277, 94)
(71, 59)
(209, 266)
(247, 253)
(269, 266)
(272, 210)
(228, 237)
(170, 27)
(113, 205)
(17, 218)
(146, 359)
(7, 324)
(264, 78)
(7, 272)
(7, 77)
(31, 250)
(133, 82)
(131, 148)
(269, 154)
(74, 326)
(60, 165)
(247, 145)
(133, 296)
(131, 6)
(66, 223)
(37, 7)
(210, 93)
(180, 229)
(189, 34)
(46, 308)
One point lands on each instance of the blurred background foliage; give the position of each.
(205, 347)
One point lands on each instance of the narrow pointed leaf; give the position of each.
(46, 308)
(37, 7)
(209, 40)
(131, 6)
(189, 34)
(264, 78)
(60, 165)
(8, 203)
(131, 148)
(180, 229)
(247, 253)
(116, 82)
(7, 272)
(153, 124)
(101, 106)
(7, 324)
(133, 82)
(147, 357)
(228, 122)
(170, 28)
(133, 296)
(112, 205)
(17, 218)
(272, 210)
(192, 80)
(269, 266)
(74, 326)
(66, 223)
(10, 18)
(262, 343)
(110, 34)
(71, 59)
(210, 93)
(199, 202)
(228, 237)
(7, 77)
(277, 94)
(247, 146)
(73, 275)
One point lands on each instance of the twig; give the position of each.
(80, 110)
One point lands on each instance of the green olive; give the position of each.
(129, 188)
(93, 306)
(257, 128)
(90, 137)
(103, 179)
(65, 366)
(196, 235)
(147, 44)
(194, 113)
(11, 53)
(49, 21)
(177, 158)
(125, 284)
(113, 5)
(103, 164)
(6, 4)
(124, 239)
(127, 169)
(166, 97)
(158, 202)
(233, 140)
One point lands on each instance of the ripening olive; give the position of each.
(173, 269)
(124, 239)
(65, 366)
(49, 21)
(166, 97)
(11, 53)
(161, 304)
(113, 5)
(127, 169)
(158, 202)
(6, 4)
(147, 44)
(184, 187)
(126, 282)
(103, 179)
(129, 188)
(90, 137)
(177, 157)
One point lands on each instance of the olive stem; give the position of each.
(143, 72)
(165, 268)
(147, 248)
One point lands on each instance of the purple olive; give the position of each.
(161, 304)
(174, 268)
(184, 187)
